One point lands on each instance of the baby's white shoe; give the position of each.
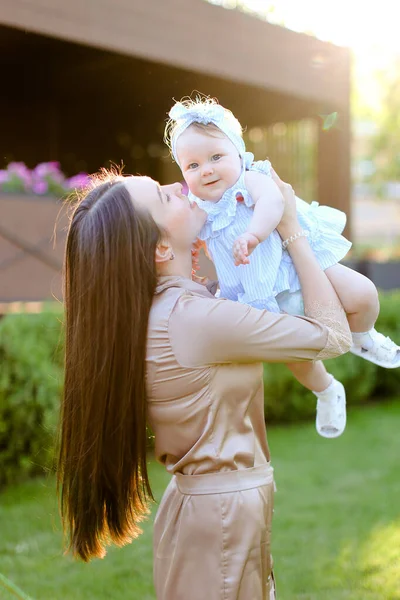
(376, 348)
(331, 410)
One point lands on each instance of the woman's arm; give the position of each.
(320, 299)
(315, 285)
(205, 331)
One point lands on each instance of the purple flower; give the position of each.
(45, 179)
(40, 187)
(3, 176)
(48, 169)
(79, 181)
(21, 171)
(19, 168)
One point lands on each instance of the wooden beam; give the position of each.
(194, 35)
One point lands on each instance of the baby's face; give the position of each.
(210, 163)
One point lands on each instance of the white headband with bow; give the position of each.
(205, 114)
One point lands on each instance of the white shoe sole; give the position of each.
(382, 363)
(336, 432)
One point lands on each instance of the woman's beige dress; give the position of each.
(206, 408)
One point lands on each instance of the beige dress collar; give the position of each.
(176, 281)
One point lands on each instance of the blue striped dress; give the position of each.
(270, 280)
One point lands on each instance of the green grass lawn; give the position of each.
(336, 528)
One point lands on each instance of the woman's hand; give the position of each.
(289, 223)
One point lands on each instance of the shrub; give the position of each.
(31, 377)
(287, 400)
(30, 386)
(388, 380)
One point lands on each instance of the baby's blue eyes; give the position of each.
(214, 158)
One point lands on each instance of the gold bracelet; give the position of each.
(294, 237)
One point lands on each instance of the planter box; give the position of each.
(386, 276)
(32, 239)
(361, 266)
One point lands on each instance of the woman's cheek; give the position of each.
(178, 220)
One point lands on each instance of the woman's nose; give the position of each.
(178, 188)
(173, 188)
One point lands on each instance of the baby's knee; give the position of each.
(367, 298)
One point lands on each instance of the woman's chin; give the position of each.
(201, 215)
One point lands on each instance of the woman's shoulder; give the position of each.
(171, 291)
(181, 315)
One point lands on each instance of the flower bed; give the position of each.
(46, 179)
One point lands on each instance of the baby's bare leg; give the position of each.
(360, 301)
(312, 375)
(358, 296)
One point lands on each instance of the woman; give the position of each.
(144, 341)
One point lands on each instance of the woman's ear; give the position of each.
(164, 252)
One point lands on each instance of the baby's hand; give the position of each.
(243, 246)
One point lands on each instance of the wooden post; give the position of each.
(334, 169)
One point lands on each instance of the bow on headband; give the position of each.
(203, 113)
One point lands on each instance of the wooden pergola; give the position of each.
(88, 82)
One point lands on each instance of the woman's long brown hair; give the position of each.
(109, 282)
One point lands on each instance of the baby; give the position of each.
(244, 206)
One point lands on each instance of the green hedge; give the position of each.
(30, 386)
(286, 400)
(31, 379)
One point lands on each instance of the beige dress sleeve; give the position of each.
(222, 331)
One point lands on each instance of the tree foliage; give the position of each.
(385, 146)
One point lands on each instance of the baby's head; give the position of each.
(206, 141)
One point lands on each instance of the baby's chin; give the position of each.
(215, 200)
(212, 195)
